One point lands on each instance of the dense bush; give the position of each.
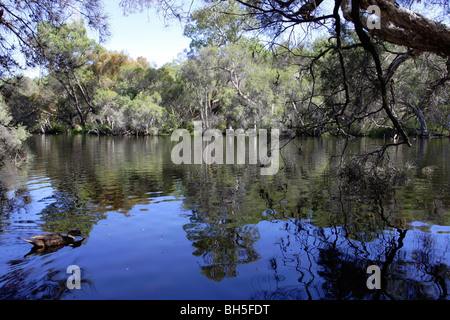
(11, 138)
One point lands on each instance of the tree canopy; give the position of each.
(19, 21)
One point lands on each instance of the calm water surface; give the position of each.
(155, 230)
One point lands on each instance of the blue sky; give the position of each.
(144, 34)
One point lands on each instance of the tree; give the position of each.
(135, 77)
(67, 51)
(19, 22)
(11, 138)
(400, 24)
(110, 108)
(143, 114)
(23, 94)
(19, 45)
(422, 96)
(217, 24)
(251, 81)
(204, 82)
(106, 67)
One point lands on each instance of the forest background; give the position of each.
(299, 66)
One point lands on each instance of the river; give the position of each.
(157, 230)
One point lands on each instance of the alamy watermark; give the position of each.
(258, 147)
(374, 20)
(74, 280)
(374, 280)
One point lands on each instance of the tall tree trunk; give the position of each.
(420, 117)
(369, 47)
(206, 107)
(77, 107)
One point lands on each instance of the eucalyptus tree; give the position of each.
(250, 83)
(422, 95)
(135, 77)
(23, 93)
(203, 82)
(213, 30)
(405, 23)
(11, 137)
(397, 24)
(106, 67)
(67, 51)
(127, 98)
(217, 24)
(231, 65)
(143, 114)
(20, 48)
(111, 107)
(19, 21)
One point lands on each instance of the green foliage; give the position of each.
(143, 114)
(57, 128)
(20, 21)
(11, 138)
(110, 108)
(229, 76)
(217, 24)
(24, 94)
(171, 122)
(68, 52)
(66, 47)
(134, 79)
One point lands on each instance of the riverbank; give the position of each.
(383, 133)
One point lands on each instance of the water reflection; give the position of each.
(330, 266)
(305, 233)
(222, 248)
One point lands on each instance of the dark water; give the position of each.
(155, 230)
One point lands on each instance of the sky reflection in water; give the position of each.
(159, 231)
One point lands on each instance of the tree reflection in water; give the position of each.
(338, 228)
(312, 230)
(331, 266)
(222, 248)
